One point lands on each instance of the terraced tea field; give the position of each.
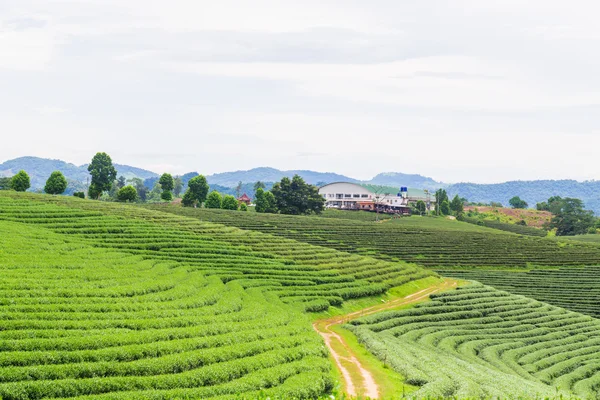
(423, 241)
(577, 289)
(103, 300)
(477, 342)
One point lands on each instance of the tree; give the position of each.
(4, 183)
(296, 197)
(154, 194)
(103, 174)
(440, 197)
(197, 191)
(243, 207)
(271, 203)
(517, 202)
(167, 184)
(121, 182)
(213, 200)
(258, 185)
(445, 208)
(456, 205)
(178, 186)
(238, 189)
(421, 207)
(56, 183)
(229, 203)
(141, 189)
(20, 182)
(127, 194)
(571, 218)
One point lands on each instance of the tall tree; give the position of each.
(196, 192)
(456, 205)
(238, 189)
(121, 182)
(4, 183)
(296, 197)
(103, 174)
(166, 183)
(445, 208)
(258, 185)
(20, 182)
(517, 202)
(229, 203)
(178, 186)
(571, 218)
(421, 207)
(440, 197)
(140, 188)
(56, 183)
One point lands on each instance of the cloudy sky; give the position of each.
(464, 90)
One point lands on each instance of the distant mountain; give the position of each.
(531, 191)
(265, 174)
(39, 169)
(397, 179)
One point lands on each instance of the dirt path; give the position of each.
(358, 381)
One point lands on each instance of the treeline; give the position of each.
(290, 196)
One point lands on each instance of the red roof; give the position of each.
(244, 197)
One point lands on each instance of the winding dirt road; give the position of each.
(358, 381)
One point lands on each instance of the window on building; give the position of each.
(364, 196)
(347, 196)
(356, 195)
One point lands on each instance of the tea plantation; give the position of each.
(577, 289)
(424, 241)
(102, 300)
(479, 342)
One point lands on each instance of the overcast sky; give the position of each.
(477, 90)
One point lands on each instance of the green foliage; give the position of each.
(103, 175)
(20, 182)
(166, 196)
(140, 188)
(178, 186)
(296, 197)
(4, 183)
(229, 203)
(166, 182)
(127, 194)
(258, 185)
(199, 188)
(490, 343)
(421, 207)
(457, 205)
(121, 182)
(213, 200)
(440, 197)
(265, 202)
(570, 217)
(81, 195)
(243, 207)
(188, 199)
(56, 183)
(445, 208)
(517, 202)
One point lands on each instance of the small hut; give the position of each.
(244, 199)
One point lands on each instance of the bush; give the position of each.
(166, 196)
(81, 195)
(127, 194)
(213, 200)
(229, 203)
(243, 207)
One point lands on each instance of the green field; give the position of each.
(577, 289)
(429, 242)
(479, 342)
(114, 301)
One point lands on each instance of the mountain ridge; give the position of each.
(532, 191)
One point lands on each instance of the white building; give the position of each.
(352, 196)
